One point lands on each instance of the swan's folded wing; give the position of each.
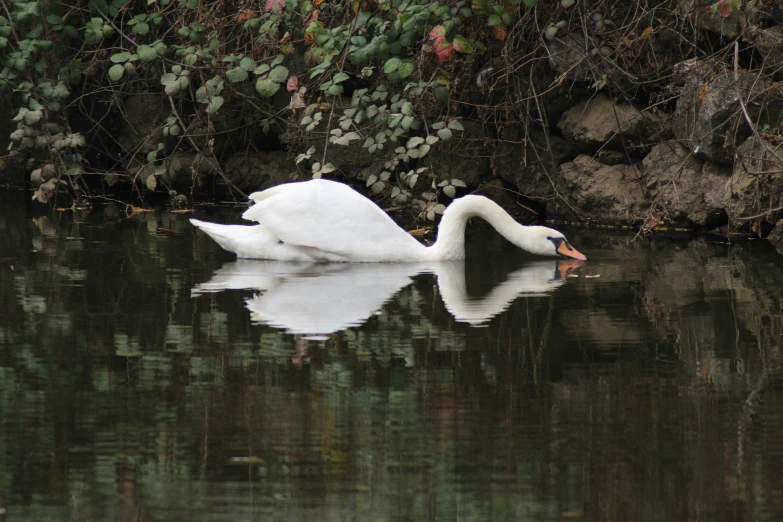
(331, 217)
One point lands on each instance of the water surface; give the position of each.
(147, 375)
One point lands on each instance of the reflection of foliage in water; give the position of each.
(121, 393)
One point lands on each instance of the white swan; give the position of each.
(320, 220)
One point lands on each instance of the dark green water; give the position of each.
(135, 387)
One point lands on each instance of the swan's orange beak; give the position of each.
(566, 250)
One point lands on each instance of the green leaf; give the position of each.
(445, 134)
(141, 28)
(267, 87)
(391, 65)
(32, 117)
(261, 69)
(530, 3)
(494, 20)
(214, 104)
(116, 71)
(334, 90)
(146, 53)
(340, 77)
(236, 75)
(456, 125)
(462, 45)
(169, 78)
(279, 74)
(247, 63)
(405, 69)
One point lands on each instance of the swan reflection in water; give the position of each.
(318, 299)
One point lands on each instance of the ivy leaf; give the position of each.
(236, 75)
(146, 53)
(414, 142)
(405, 69)
(261, 69)
(391, 65)
(120, 57)
(116, 71)
(141, 28)
(445, 134)
(279, 74)
(462, 45)
(214, 104)
(494, 20)
(377, 187)
(267, 87)
(456, 125)
(247, 63)
(168, 79)
(340, 77)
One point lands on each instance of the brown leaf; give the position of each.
(703, 91)
(499, 32)
(293, 84)
(245, 15)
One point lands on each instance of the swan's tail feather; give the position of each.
(239, 239)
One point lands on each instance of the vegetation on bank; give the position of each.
(396, 79)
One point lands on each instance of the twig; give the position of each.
(763, 214)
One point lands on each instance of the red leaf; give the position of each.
(292, 85)
(312, 18)
(724, 9)
(438, 32)
(443, 49)
(270, 4)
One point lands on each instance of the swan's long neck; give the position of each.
(451, 231)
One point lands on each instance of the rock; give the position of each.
(755, 185)
(673, 178)
(776, 236)
(257, 171)
(769, 43)
(708, 119)
(597, 191)
(595, 123)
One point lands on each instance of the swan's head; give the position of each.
(548, 242)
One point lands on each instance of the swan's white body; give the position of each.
(322, 220)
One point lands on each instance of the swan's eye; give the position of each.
(549, 238)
